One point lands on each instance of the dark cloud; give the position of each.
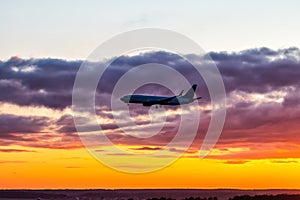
(292, 99)
(49, 82)
(66, 124)
(16, 124)
(259, 70)
(41, 82)
(34, 132)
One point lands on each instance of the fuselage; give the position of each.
(151, 100)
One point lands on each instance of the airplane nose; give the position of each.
(122, 99)
(125, 99)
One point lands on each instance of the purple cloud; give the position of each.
(49, 82)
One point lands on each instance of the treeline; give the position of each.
(199, 198)
(15, 194)
(268, 197)
(244, 197)
(188, 198)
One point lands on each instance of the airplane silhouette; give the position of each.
(147, 100)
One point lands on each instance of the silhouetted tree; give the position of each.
(268, 197)
(199, 198)
(161, 198)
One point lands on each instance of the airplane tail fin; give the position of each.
(190, 93)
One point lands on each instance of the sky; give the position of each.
(254, 45)
(72, 29)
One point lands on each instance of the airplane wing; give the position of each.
(150, 103)
(166, 99)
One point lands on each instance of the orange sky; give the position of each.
(75, 168)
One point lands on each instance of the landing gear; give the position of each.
(158, 106)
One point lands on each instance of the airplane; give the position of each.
(147, 100)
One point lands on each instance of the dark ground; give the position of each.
(221, 194)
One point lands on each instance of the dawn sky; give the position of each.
(255, 45)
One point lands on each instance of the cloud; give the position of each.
(235, 162)
(146, 148)
(73, 167)
(15, 150)
(17, 124)
(284, 161)
(188, 151)
(262, 87)
(259, 70)
(34, 131)
(12, 161)
(50, 82)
